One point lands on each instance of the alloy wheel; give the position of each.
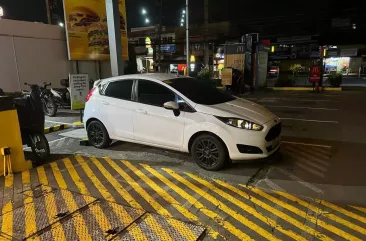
(207, 153)
(96, 135)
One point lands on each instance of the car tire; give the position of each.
(209, 152)
(98, 135)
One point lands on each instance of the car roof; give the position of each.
(150, 76)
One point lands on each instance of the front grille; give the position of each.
(274, 132)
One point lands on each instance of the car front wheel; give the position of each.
(209, 152)
(98, 135)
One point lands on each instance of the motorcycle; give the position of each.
(31, 121)
(55, 98)
(58, 97)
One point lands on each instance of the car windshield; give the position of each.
(199, 91)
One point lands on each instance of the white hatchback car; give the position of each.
(182, 114)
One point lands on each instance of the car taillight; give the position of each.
(90, 94)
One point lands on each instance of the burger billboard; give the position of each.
(87, 31)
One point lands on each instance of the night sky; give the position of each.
(220, 10)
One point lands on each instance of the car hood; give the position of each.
(238, 108)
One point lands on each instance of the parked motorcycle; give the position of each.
(31, 120)
(56, 97)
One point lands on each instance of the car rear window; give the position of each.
(119, 89)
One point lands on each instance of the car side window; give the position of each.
(152, 93)
(121, 89)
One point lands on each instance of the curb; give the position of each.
(55, 128)
(78, 124)
(303, 88)
(84, 142)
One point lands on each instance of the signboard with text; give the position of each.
(79, 89)
(315, 73)
(235, 56)
(227, 76)
(87, 30)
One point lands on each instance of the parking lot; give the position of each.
(314, 188)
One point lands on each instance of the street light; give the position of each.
(61, 24)
(143, 11)
(184, 11)
(181, 24)
(147, 20)
(182, 20)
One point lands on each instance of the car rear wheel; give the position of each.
(209, 152)
(98, 135)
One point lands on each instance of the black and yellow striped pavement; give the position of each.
(55, 128)
(87, 198)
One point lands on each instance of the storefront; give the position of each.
(344, 61)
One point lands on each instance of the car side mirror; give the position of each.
(171, 105)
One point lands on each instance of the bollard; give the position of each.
(11, 139)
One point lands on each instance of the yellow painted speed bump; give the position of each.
(78, 124)
(55, 128)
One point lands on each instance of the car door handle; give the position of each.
(141, 111)
(105, 102)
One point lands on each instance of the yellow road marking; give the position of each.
(193, 201)
(58, 175)
(116, 185)
(323, 212)
(180, 228)
(50, 202)
(248, 209)
(342, 210)
(137, 234)
(220, 205)
(7, 222)
(75, 177)
(26, 185)
(81, 230)
(304, 215)
(102, 220)
(164, 235)
(29, 210)
(359, 209)
(126, 219)
(280, 214)
(97, 183)
(105, 193)
(42, 175)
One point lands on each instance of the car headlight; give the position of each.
(240, 123)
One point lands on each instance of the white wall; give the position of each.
(37, 53)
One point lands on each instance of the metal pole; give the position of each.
(206, 53)
(160, 5)
(49, 19)
(187, 37)
(114, 35)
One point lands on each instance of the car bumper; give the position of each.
(254, 140)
